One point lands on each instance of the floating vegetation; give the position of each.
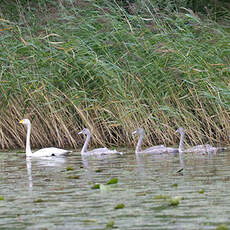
(20, 152)
(174, 201)
(96, 186)
(201, 191)
(164, 197)
(38, 200)
(90, 221)
(98, 170)
(74, 177)
(171, 201)
(119, 206)
(175, 185)
(106, 187)
(110, 224)
(222, 227)
(141, 193)
(69, 168)
(113, 181)
(1, 198)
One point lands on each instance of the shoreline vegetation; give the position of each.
(114, 66)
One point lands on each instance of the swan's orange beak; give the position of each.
(21, 122)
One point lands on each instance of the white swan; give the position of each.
(202, 149)
(99, 151)
(158, 149)
(45, 152)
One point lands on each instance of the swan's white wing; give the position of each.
(50, 152)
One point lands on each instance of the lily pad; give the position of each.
(175, 200)
(96, 186)
(119, 206)
(69, 168)
(201, 191)
(38, 201)
(113, 181)
(110, 224)
(222, 227)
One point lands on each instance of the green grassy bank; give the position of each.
(112, 68)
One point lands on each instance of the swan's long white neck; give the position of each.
(181, 144)
(84, 148)
(138, 147)
(28, 149)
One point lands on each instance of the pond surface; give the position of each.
(56, 193)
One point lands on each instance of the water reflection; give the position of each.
(66, 198)
(87, 166)
(92, 162)
(41, 162)
(143, 160)
(52, 161)
(181, 170)
(29, 172)
(87, 158)
(140, 163)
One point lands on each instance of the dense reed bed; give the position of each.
(112, 68)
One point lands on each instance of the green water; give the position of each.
(57, 193)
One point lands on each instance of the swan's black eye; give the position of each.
(52, 154)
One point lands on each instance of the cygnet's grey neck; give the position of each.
(140, 139)
(181, 144)
(85, 146)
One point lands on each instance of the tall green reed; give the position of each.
(93, 64)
